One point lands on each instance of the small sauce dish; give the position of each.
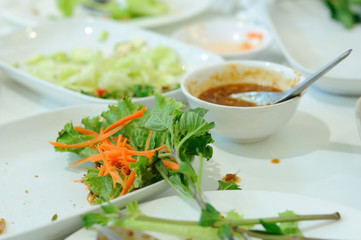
(229, 38)
(243, 124)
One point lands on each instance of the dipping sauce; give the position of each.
(221, 94)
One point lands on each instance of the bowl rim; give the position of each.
(238, 62)
(263, 46)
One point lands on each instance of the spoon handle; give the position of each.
(311, 79)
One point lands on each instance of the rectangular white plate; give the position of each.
(71, 33)
(309, 39)
(36, 182)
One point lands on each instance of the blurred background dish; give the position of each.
(308, 43)
(84, 34)
(230, 38)
(238, 121)
(358, 115)
(36, 11)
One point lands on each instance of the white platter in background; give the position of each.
(36, 182)
(229, 38)
(309, 39)
(71, 33)
(253, 204)
(31, 12)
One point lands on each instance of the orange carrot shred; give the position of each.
(148, 140)
(170, 164)
(128, 183)
(92, 158)
(123, 120)
(85, 131)
(90, 142)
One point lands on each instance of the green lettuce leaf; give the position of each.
(101, 186)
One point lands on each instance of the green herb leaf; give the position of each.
(101, 186)
(69, 136)
(163, 114)
(289, 228)
(209, 215)
(230, 185)
(110, 208)
(91, 219)
(225, 232)
(271, 228)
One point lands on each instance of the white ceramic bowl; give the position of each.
(243, 124)
(358, 115)
(229, 38)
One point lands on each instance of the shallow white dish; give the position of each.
(253, 204)
(309, 38)
(32, 12)
(68, 34)
(36, 182)
(228, 37)
(358, 115)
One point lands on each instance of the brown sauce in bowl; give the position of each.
(221, 94)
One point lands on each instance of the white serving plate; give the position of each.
(31, 12)
(358, 115)
(220, 34)
(36, 182)
(309, 38)
(70, 33)
(253, 204)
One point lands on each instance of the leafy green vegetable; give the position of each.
(101, 186)
(171, 125)
(230, 185)
(132, 8)
(133, 69)
(347, 12)
(186, 135)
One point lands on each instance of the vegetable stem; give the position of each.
(292, 218)
(249, 233)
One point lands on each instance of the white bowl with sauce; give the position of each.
(229, 38)
(243, 124)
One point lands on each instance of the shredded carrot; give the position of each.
(123, 120)
(115, 152)
(170, 164)
(93, 158)
(85, 131)
(148, 140)
(128, 183)
(90, 142)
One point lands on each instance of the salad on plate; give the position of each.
(132, 69)
(117, 10)
(132, 147)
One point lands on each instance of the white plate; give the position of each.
(309, 39)
(68, 34)
(254, 204)
(226, 37)
(36, 182)
(31, 12)
(358, 115)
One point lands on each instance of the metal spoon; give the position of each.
(268, 98)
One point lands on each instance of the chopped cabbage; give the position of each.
(133, 69)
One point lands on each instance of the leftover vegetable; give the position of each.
(132, 147)
(133, 69)
(114, 9)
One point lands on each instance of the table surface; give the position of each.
(319, 149)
